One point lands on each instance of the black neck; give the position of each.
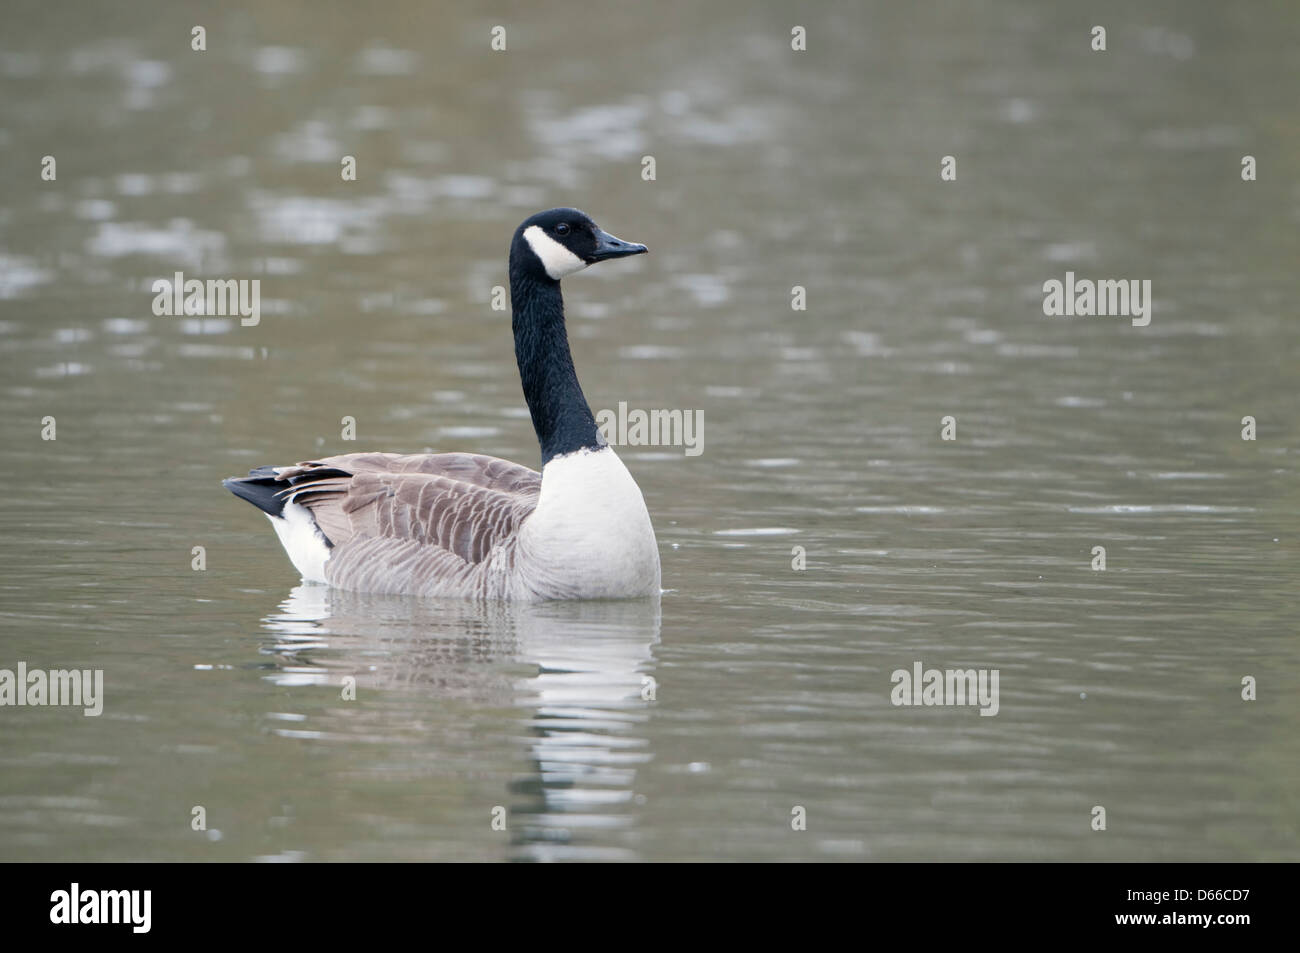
(561, 417)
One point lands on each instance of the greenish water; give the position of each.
(693, 728)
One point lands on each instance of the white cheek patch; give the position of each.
(556, 259)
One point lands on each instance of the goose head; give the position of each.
(556, 243)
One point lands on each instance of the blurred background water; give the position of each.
(689, 729)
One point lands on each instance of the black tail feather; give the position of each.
(260, 488)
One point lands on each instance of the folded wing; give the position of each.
(394, 520)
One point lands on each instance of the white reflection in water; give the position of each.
(180, 242)
(20, 274)
(386, 61)
(583, 708)
(611, 131)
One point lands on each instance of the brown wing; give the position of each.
(463, 504)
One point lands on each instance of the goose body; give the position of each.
(469, 525)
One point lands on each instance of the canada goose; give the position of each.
(468, 525)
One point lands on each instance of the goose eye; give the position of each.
(562, 229)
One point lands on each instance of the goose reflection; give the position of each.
(581, 672)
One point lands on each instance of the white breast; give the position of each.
(590, 536)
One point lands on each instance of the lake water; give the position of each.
(698, 727)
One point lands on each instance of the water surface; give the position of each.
(692, 728)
